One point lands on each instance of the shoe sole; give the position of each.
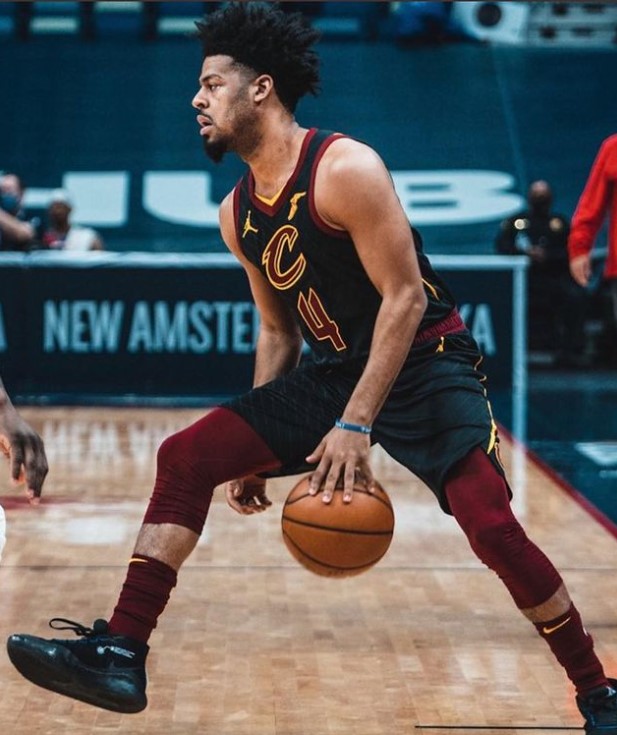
(58, 675)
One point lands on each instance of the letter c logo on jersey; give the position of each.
(272, 259)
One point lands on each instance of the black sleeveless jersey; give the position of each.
(316, 268)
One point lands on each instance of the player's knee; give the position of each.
(497, 543)
(169, 452)
(183, 487)
(177, 460)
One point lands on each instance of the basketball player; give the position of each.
(331, 258)
(25, 451)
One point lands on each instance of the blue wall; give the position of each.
(120, 105)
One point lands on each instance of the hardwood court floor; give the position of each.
(252, 644)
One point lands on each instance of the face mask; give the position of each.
(9, 203)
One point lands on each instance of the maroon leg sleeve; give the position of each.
(143, 598)
(190, 464)
(479, 501)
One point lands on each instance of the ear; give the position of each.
(262, 88)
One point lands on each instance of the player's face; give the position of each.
(226, 114)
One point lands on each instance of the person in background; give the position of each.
(15, 232)
(25, 450)
(542, 235)
(599, 199)
(61, 234)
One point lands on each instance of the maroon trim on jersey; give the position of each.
(272, 209)
(323, 226)
(450, 325)
(236, 203)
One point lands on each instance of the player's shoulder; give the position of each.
(346, 156)
(226, 207)
(227, 220)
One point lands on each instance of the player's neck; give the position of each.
(274, 160)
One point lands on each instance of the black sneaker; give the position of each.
(105, 670)
(599, 708)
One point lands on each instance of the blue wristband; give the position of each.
(360, 428)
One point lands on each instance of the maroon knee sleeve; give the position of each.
(479, 501)
(190, 464)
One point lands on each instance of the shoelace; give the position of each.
(98, 627)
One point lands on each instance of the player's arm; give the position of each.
(278, 349)
(23, 446)
(279, 342)
(354, 192)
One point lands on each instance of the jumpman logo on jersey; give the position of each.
(293, 204)
(248, 227)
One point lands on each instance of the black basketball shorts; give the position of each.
(436, 412)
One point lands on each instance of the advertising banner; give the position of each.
(137, 327)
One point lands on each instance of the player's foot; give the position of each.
(599, 708)
(105, 670)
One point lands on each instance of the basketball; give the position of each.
(337, 539)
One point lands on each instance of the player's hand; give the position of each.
(247, 495)
(342, 455)
(580, 269)
(24, 449)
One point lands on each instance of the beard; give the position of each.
(215, 149)
(239, 135)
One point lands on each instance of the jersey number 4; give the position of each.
(317, 320)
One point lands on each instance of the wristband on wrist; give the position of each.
(359, 428)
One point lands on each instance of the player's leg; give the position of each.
(272, 427)
(479, 500)
(448, 438)
(106, 667)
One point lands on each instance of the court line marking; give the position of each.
(497, 727)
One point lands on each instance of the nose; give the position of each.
(199, 101)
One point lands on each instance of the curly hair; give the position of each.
(267, 40)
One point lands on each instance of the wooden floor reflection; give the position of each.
(252, 644)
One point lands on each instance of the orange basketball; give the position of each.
(337, 539)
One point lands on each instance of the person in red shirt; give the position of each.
(598, 199)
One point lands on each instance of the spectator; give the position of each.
(598, 199)
(542, 236)
(60, 234)
(15, 232)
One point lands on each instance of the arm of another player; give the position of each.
(354, 192)
(278, 349)
(23, 446)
